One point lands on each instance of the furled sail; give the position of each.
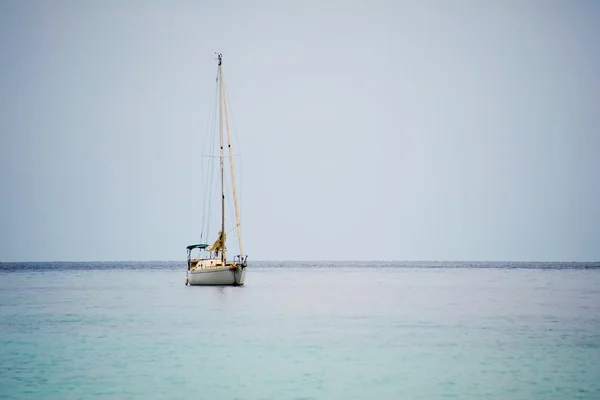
(219, 244)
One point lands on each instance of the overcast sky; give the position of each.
(400, 130)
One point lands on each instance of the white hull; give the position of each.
(217, 276)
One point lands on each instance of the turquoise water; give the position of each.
(301, 331)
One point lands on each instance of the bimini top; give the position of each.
(197, 246)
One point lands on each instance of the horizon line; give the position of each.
(316, 261)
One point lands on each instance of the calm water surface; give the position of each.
(301, 331)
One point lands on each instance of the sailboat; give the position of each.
(210, 264)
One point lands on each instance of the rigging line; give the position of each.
(231, 209)
(211, 184)
(212, 190)
(238, 181)
(210, 187)
(241, 169)
(211, 113)
(232, 164)
(209, 156)
(209, 119)
(206, 172)
(231, 116)
(228, 232)
(202, 177)
(208, 190)
(231, 113)
(206, 203)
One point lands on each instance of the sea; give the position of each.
(301, 330)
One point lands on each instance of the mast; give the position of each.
(221, 157)
(235, 198)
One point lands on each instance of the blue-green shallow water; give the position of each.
(301, 331)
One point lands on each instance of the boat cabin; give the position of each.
(198, 256)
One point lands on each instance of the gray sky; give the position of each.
(400, 130)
